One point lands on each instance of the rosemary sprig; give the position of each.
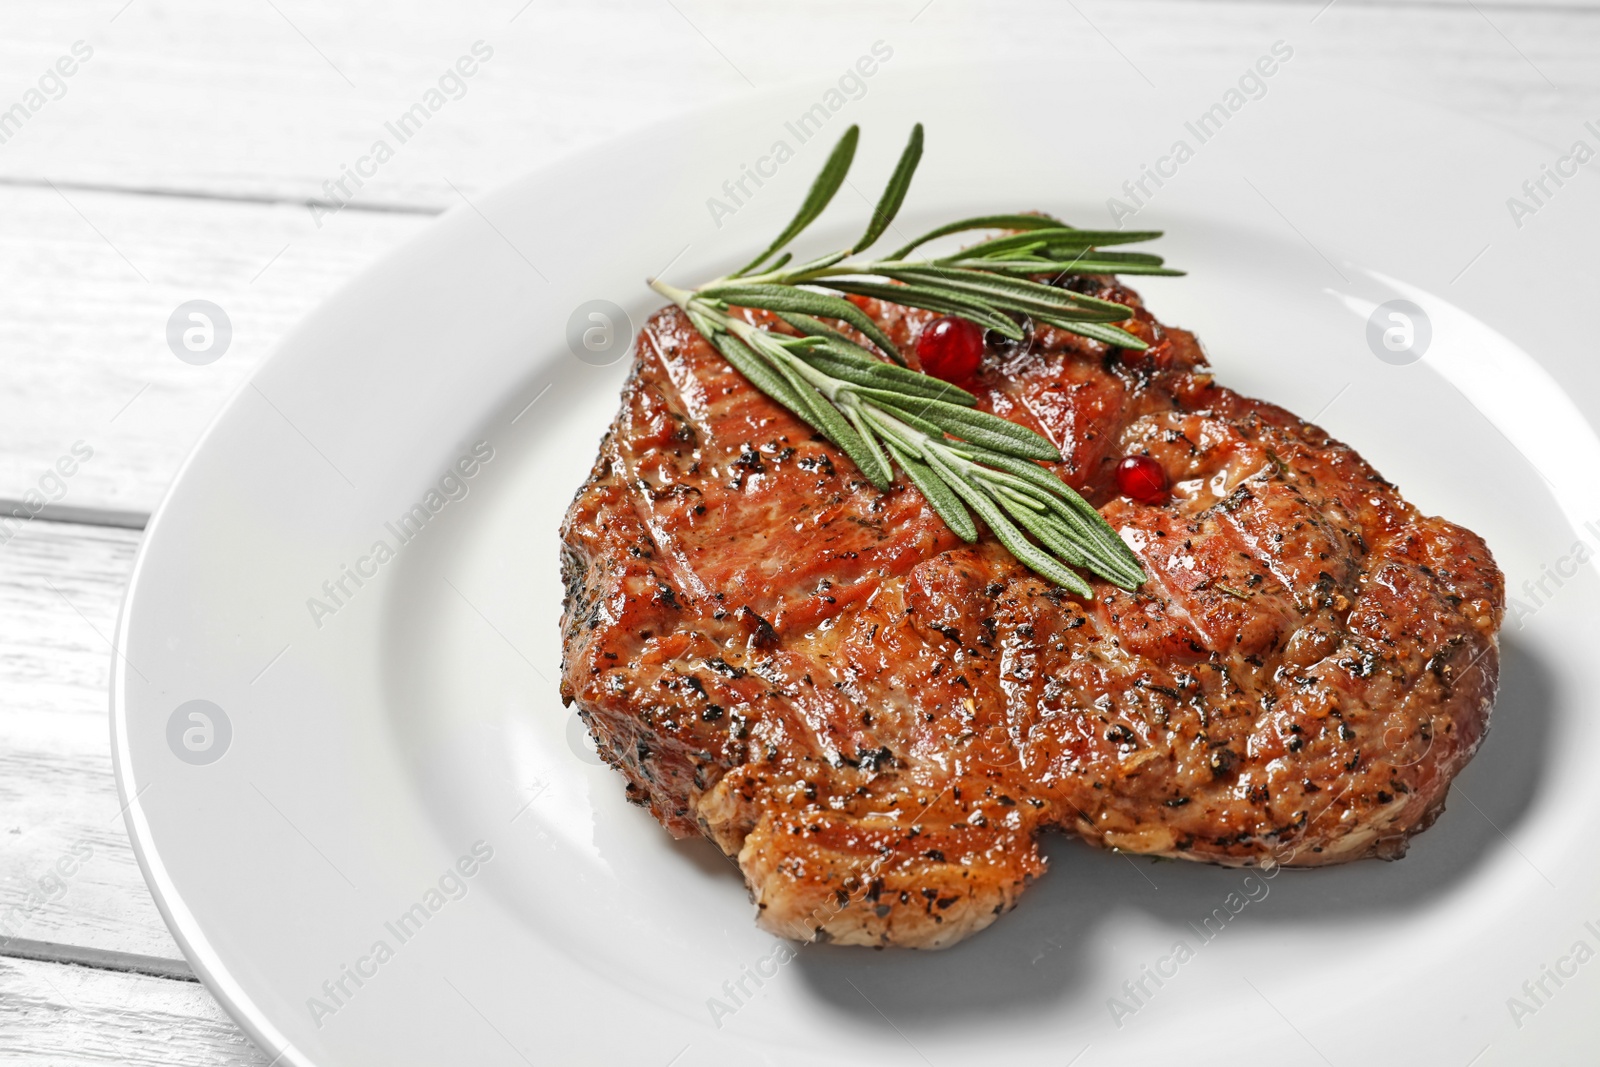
(883, 415)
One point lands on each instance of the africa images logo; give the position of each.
(199, 732)
(451, 885)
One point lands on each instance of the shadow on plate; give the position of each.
(1035, 955)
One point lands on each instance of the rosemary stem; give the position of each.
(769, 346)
(681, 297)
(912, 440)
(1023, 499)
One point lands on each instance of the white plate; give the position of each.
(374, 747)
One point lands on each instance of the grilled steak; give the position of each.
(877, 720)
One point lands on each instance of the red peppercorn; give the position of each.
(1142, 479)
(950, 348)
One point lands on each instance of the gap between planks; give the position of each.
(228, 197)
(99, 959)
(126, 520)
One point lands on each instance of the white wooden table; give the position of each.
(176, 163)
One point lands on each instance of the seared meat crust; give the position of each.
(877, 720)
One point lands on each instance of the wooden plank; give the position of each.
(282, 96)
(274, 100)
(63, 1016)
(67, 872)
(84, 304)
